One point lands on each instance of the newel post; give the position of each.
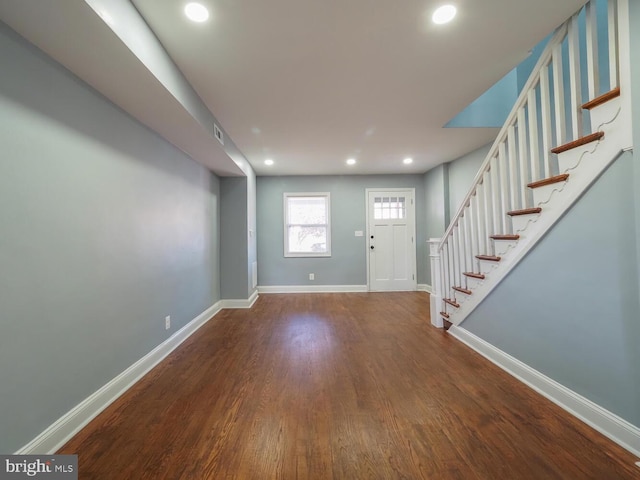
(436, 286)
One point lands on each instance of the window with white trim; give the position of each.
(307, 225)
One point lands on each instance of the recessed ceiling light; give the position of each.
(407, 161)
(196, 12)
(268, 161)
(351, 161)
(444, 14)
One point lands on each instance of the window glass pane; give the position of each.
(389, 208)
(307, 239)
(307, 231)
(307, 210)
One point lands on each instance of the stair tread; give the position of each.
(444, 314)
(462, 290)
(479, 276)
(549, 181)
(451, 302)
(447, 324)
(524, 211)
(604, 98)
(491, 258)
(579, 142)
(505, 237)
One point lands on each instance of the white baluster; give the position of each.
(444, 265)
(495, 197)
(488, 217)
(468, 241)
(456, 261)
(461, 254)
(593, 71)
(558, 96)
(545, 102)
(614, 62)
(513, 167)
(575, 78)
(534, 156)
(480, 217)
(473, 221)
(504, 187)
(447, 271)
(522, 156)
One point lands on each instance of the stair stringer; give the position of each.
(584, 165)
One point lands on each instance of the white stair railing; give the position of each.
(548, 113)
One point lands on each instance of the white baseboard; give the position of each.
(423, 287)
(63, 429)
(617, 429)
(241, 303)
(312, 288)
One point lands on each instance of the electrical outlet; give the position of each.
(312, 276)
(167, 322)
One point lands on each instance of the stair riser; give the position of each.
(541, 195)
(473, 283)
(521, 222)
(602, 114)
(487, 266)
(569, 160)
(501, 247)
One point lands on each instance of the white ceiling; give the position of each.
(307, 83)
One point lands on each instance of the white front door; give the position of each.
(391, 239)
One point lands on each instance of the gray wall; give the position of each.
(238, 237)
(347, 265)
(436, 193)
(445, 187)
(584, 273)
(233, 244)
(106, 228)
(634, 32)
(252, 226)
(436, 186)
(462, 171)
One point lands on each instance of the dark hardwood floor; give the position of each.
(344, 386)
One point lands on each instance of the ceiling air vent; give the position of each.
(218, 134)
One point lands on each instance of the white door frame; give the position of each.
(368, 234)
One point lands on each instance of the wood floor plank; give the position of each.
(342, 386)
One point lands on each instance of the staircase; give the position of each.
(572, 120)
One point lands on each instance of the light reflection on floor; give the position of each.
(309, 340)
